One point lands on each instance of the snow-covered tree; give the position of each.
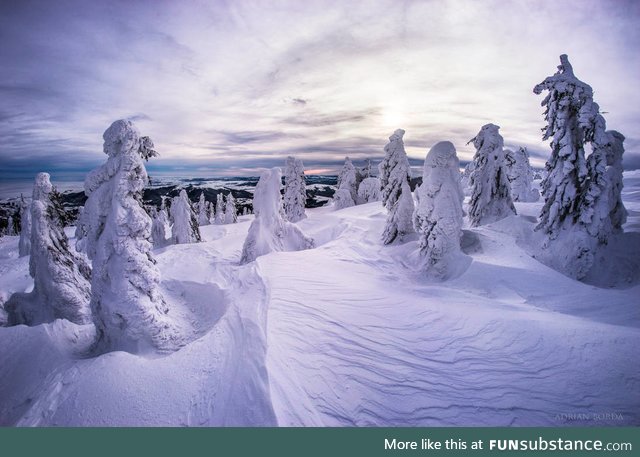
(24, 245)
(11, 227)
(369, 190)
(158, 229)
(438, 215)
(230, 211)
(295, 190)
(465, 179)
(219, 213)
(61, 279)
(490, 190)
(203, 216)
(395, 177)
(342, 199)
(347, 179)
(129, 309)
(185, 227)
(269, 231)
(580, 200)
(521, 176)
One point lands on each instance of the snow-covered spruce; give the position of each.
(521, 176)
(604, 212)
(230, 210)
(396, 191)
(24, 244)
(295, 190)
(269, 231)
(11, 226)
(158, 229)
(579, 199)
(490, 189)
(61, 287)
(369, 190)
(219, 213)
(342, 199)
(438, 214)
(129, 309)
(203, 216)
(347, 179)
(185, 227)
(465, 179)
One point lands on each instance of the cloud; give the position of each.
(241, 84)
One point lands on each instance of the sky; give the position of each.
(233, 87)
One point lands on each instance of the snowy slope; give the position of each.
(345, 334)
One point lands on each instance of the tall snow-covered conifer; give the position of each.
(219, 214)
(395, 177)
(24, 244)
(521, 176)
(61, 279)
(347, 179)
(269, 231)
(295, 190)
(203, 217)
(580, 201)
(130, 311)
(230, 210)
(185, 227)
(490, 189)
(438, 215)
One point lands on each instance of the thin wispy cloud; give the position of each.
(227, 86)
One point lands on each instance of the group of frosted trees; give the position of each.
(582, 195)
(356, 186)
(186, 219)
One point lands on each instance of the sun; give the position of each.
(393, 118)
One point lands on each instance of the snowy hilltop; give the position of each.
(483, 297)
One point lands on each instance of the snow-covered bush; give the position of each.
(369, 190)
(521, 176)
(203, 216)
(581, 202)
(185, 227)
(129, 309)
(395, 176)
(490, 190)
(24, 244)
(230, 211)
(295, 190)
(219, 213)
(61, 287)
(347, 179)
(269, 231)
(438, 214)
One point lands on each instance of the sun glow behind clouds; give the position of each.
(241, 85)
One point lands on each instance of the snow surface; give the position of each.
(345, 334)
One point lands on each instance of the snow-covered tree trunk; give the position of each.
(219, 215)
(295, 190)
(490, 190)
(185, 227)
(11, 227)
(438, 215)
(61, 279)
(130, 311)
(269, 231)
(395, 176)
(369, 190)
(230, 211)
(581, 202)
(24, 244)
(203, 217)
